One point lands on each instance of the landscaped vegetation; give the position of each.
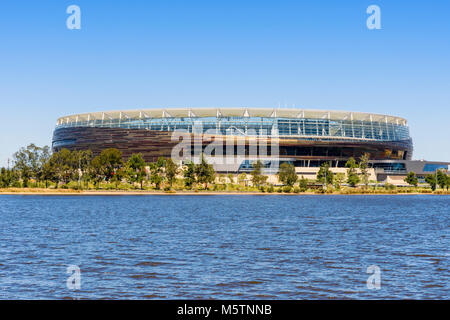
(35, 169)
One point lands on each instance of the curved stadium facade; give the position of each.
(305, 138)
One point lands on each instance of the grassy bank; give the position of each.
(277, 191)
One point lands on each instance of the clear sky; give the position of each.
(144, 54)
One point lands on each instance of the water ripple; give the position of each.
(224, 247)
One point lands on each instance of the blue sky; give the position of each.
(144, 54)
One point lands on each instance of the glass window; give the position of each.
(431, 167)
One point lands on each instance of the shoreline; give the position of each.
(193, 193)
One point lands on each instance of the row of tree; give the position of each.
(37, 164)
(357, 172)
(436, 179)
(289, 177)
(64, 166)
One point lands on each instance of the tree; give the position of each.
(23, 160)
(441, 179)
(8, 178)
(325, 171)
(411, 179)
(242, 178)
(81, 162)
(339, 179)
(157, 172)
(364, 167)
(230, 178)
(136, 169)
(28, 162)
(60, 166)
(352, 175)
(189, 174)
(287, 174)
(303, 184)
(170, 171)
(431, 180)
(118, 175)
(95, 171)
(258, 179)
(44, 155)
(205, 172)
(110, 161)
(47, 173)
(4, 181)
(106, 166)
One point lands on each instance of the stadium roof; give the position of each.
(231, 112)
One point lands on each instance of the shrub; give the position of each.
(287, 189)
(16, 184)
(389, 186)
(303, 184)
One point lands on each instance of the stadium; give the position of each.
(305, 138)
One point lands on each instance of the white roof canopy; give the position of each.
(232, 112)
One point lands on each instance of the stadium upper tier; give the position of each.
(251, 122)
